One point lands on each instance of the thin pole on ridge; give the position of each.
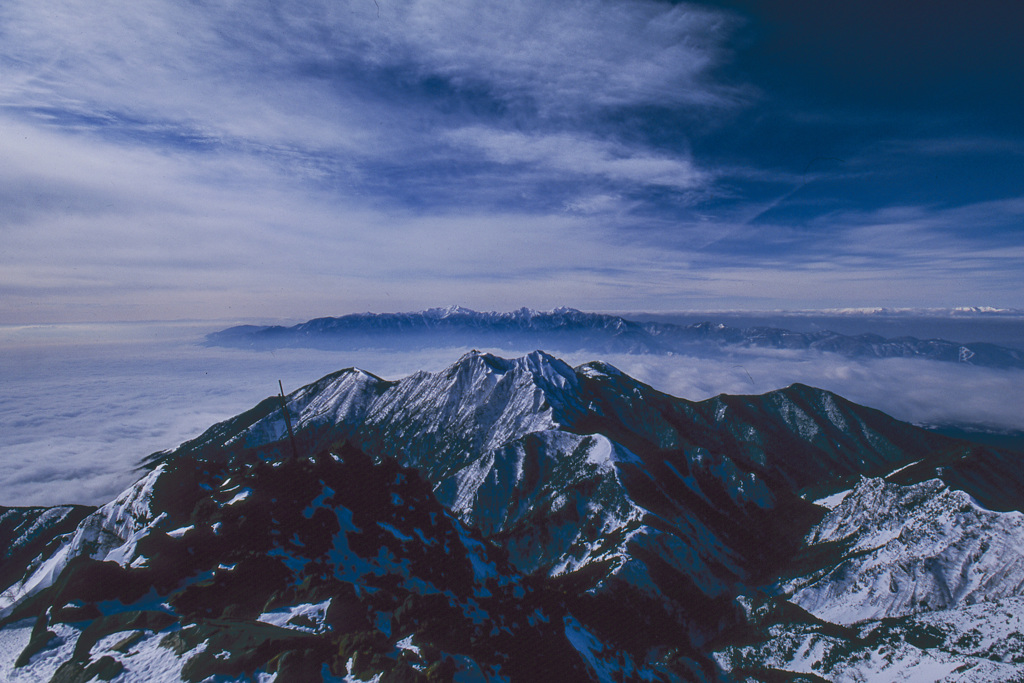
(288, 421)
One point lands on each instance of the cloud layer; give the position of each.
(84, 403)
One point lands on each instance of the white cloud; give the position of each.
(919, 391)
(162, 67)
(565, 154)
(98, 231)
(289, 72)
(575, 54)
(600, 203)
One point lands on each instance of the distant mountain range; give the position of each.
(956, 311)
(523, 520)
(569, 330)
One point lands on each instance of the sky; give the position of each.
(164, 159)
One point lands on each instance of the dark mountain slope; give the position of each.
(29, 534)
(299, 568)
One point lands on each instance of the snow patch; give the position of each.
(833, 501)
(239, 497)
(307, 617)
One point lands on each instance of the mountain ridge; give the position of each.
(570, 330)
(636, 534)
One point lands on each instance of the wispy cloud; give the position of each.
(565, 154)
(318, 73)
(143, 230)
(956, 145)
(912, 255)
(162, 159)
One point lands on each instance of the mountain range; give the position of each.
(524, 520)
(568, 330)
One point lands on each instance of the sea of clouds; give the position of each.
(83, 404)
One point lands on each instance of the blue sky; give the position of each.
(164, 159)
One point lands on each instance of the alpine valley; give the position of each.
(523, 520)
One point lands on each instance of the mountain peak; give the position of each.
(543, 367)
(552, 371)
(565, 310)
(448, 312)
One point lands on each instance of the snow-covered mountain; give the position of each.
(525, 520)
(899, 582)
(569, 330)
